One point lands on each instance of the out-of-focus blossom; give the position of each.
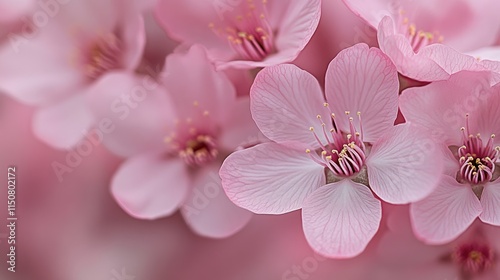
(425, 39)
(11, 16)
(462, 113)
(473, 255)
(56, 67)
(322, 158)
(243, 34)
(176, 136)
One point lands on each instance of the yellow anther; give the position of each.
(311, 128)
(308, 151)
(318, 116)
(325, 104)
(347, 112)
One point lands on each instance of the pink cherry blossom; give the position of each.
(426, 39)
(462, 113)
(243, 34)
(55, 67)
(175, 136)
(322, 157)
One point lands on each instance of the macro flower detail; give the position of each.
(343, 155)
(427, 40)
(477, 159)
(469, 186)
(243, 34)
(327, 162)
(249, 33)
(185, 132)
(102, 56)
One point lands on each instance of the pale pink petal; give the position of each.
(485, 119)
(134, 39)
(446, 213)
(270, 178)
(138, 109)
(431, 63)
(449, 59)
(63, 124)
(373, 11)
(362, 79)
(490, 200)
(150, 186)
(441, 106)
(490, 53)
(188, 22)
(409, 64)
(285, 103)
(208, 90)
(39, 72)
(239, 129)
(404, 165)
(298, 22)
(208, 211)
(340, 219)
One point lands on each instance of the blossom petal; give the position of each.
(363, 80)
(188, 21)
(138, 108)
(270, 178)
(441, 106)
(340, 219)
(208, 211)
(404, 165)
(490, 200)
(212, 90)
(150, 186)
(285, 103)
(446, 213)
(372, 11)
(63, 124)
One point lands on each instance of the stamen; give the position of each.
(343, 154)
(476, 159)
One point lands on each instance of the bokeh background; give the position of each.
(74, 230)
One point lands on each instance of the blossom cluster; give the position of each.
(232, 108)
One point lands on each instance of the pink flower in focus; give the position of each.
(462, 113)
(343, 153)
(54, 69)
(243, 34)
(175, 137)
(425, 39)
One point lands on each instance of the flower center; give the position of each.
(193, 139)
(418, 38)
(249, 33)
(103, 56)
(343, 154)
(477, 160)
(473, 258)
(199, 150)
